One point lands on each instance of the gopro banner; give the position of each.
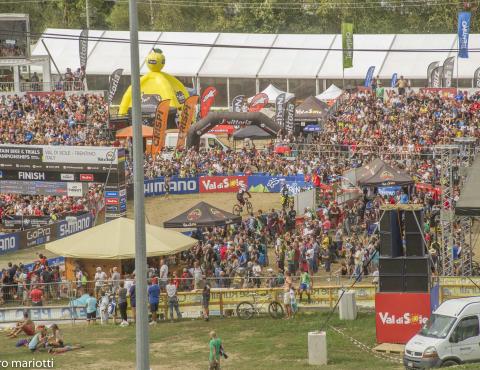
(347, 44)
(369, 76)
(463, 33)
(430, 69)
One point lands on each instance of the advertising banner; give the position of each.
(270, 184)
(280, 109)
(290, 115)
(239, 104)
(399, 316)
(73, 225)
(14, 222)
(347, 44)
(448, 72)
(207, 100)
(436, 77)
(430, 69)
(160, 125)
(83, 48)
(476, 78)
(258, 102)
(463, 33)
(221, 184)
(40, 235)
(369, 76)
(9, 243)
(186, 119)
(114, 80)
(56, 313)
(33, 187)
(178, 185)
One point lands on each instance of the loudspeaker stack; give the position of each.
(403, 265)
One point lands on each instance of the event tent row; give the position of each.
(396, 54)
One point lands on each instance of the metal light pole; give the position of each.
(87, 13)
(139, 207)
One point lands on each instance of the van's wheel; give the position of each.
(449, 363)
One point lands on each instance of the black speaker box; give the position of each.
(417, 266)
(417, 283)
(391, 266)
(391, 283)
(411, 218)
(414, 245)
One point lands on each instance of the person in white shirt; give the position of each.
(100, 278)
(171, 289)
(163, 274)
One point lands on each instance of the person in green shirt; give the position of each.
(215, 344)
(305, 285)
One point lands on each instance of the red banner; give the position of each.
(221, 184)
(399, 316)
(186, 119)
(160, 125)
(208, 97)
(258, 102)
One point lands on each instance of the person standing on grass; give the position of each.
(36, 295)
(91, 306)
(100, 278)
(287, 286)
(305, 285)
(133, 301)
(172, 297)
(153, 299)
(163, 274)
(122, 303)
(215, 346)
(206, 301)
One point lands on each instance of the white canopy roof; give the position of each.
(230, 59)
(272, 93)
(331, 93)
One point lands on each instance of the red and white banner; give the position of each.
(399, 316)
(110, 201)
(221, 184)
(207, 100)
(258, 102)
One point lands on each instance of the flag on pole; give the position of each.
(347, 44)
(83, 48)
(463, 33)
(114, 80)
(160, 126)
(430, 68)
(186, 119)
(393, 82)
(369, 76)
(448, 72)
(476, 78)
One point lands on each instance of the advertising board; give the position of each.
(270, 184)
(221, 184)
(178, 185)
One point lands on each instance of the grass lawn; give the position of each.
(261, 343)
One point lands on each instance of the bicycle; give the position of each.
(238, 209)
(245, 310)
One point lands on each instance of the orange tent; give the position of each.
(127, 132)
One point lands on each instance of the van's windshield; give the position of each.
(438, 326)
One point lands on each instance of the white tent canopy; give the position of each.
(273, 55)
(331, 93)
(272, 93)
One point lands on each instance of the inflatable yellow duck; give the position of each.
(156, 82)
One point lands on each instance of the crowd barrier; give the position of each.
(223, 301)
(44, 234)
(257, 183)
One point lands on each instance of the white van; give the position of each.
(450, 337)
(207, 141)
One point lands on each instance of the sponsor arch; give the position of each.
(230, 118)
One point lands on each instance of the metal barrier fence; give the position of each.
(229, 290)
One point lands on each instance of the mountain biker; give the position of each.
(242, 190)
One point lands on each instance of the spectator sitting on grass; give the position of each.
(26, 325)
(38, 341)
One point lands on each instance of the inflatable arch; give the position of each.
(231, 118)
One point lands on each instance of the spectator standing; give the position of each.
(133, 300)
(122, 303)
(172, 297)
(115, 279)
(36, 295)
(163, 274)
(206, 302)
(99, 278)
(91, 307)
(153, 299)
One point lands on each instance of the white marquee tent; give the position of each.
(270, 58)
(331, 93)
(272, 93)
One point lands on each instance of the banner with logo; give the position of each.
(347, 44)
(369, 76)
(280, 109)
(447, 76)
(239, 104)
(430, 69)
(221, 184)
(207, 100)
(14, 222)
(160, 126)
(114, 80)
(394, 80)
(290, 115)
(463, 33)
(186, 119)
(436, 77)
(476, 78)
(270, 184)
(178, 185)
(83, 48)
(258, 102)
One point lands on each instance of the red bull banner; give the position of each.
(160, 126)
(258, 102)
(186, 119)
(207, 100)
(222, 184)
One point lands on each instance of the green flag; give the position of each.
(347, 44)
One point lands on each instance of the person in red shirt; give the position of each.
(36, 295)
